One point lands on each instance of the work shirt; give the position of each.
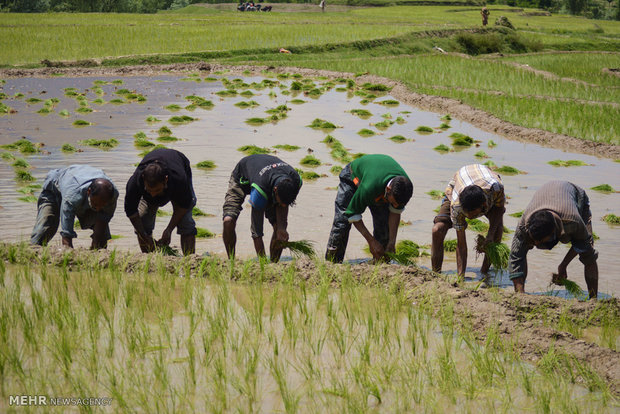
(262, 173)
(483, 177)
(371, 174)
(70, 187)
(572, 205)
(179, 188)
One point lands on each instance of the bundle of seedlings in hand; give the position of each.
(300, 248)
(497, 253)
(571, 287)
(406, 251)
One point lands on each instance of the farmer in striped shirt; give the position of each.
(474, 191)
(559, 212)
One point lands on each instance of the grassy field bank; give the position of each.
(201, 334)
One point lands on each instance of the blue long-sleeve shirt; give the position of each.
(70, 186)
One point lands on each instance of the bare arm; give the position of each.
(177, 215)
(393, 222)
(375, 247)
(461, 252)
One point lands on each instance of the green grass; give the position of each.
(204, 233)
(449, 245)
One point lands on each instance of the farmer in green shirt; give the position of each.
(378, 182)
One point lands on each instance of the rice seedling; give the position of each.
(322, 124)
(32, 101)
(257, 121)
(518, 214)
(571, 287)
(5, 109)
(383, 125)
(204, 233)
(143, 143)
(152, 119)
(184, 119)
(508, 170)
(365, 132)
(406, 251)
(300, 248)
(81, 123)
(310, 161)
(104, 144)
(172, 107)
(604, 188)
(140, 135)
(398, 138)
(197, 212)
(444, 126)
(362, 113)
(247, 94)
(98, 101)
(298, 101)
(491, 165)
(7, 156)
(358, 155)
(462, 140)
(388, 102)
(247, 104)
(611, 219)
(442, 148)
(378, 87)
(151, 148)
(436, 194)
(481, 154)
(400, 120)
(29, 198)
(18, 95)
(162, 213)
(200, 102)
(308, 175)
(497, 253)
(20, 163)
(477, 225)
(567, 163)
(117, 101)
(206, 165)
(24, 176)
(226, 93)
(491, 144)
(167, 138)
(449, 245)
(64, 113)
(253, 149)
(423, 129)
(446, 118)
(287, 147)
(336, 169)
(22, 145)
(45, 110)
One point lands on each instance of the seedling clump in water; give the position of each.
(604, 188)
(253, 149)
(100, 143)
(442, 148)
(398, 138)
(423, 129)
(497, 253)
(365, 132)
(611, 219)
(206, 165)
(567, 163)
(287, 147)
(310, 161)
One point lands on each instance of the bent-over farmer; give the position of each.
(164, 175)
(378, 182)
(78, 191)
(272, 185)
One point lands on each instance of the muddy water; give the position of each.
(218, 132)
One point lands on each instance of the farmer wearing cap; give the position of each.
(559, 212)
(273, 186)
(378, 182)
(164, 175)
(474, 191)
(78, 191)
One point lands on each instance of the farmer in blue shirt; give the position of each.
(78, 191)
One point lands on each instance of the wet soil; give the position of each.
(457, 109)
(513, 314)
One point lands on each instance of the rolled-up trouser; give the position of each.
(339, 235)
(148, 213)
(233, 204)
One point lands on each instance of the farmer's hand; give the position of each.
(146, 241)
(165, 238)
(282, 236)
(561, 275)
(376, 249)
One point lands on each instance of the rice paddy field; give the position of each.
(158, 333)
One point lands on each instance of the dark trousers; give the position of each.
(339, 235)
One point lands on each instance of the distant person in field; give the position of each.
(376, 182)
(485, 16)
(164, 175)
(322, 5)
(77, 191)
(273, 186)
(474, 191)
(559, 212)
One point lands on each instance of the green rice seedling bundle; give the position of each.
(388, 102)
(362, 113)
(436, 194)
(570, 286)
(358, 155)
(33, 100)
(461, 140)
(491, 165)
(518, 214)
(604, 188)
(253, 149)
(278, 110)
(322, 124)
(247, 94)
(66, 147)
(300, 248)
(257, 121)
(298, 101)
(22, 145)
(365, 132)
(122, 92)
(477, 225)
(98, 101)
(20, 163)
(143, 143)
(197, 212)
(226, 93)
(117, 101)
(611, 219)
(383, 125)
(162, 213)
(404, 223)
(400, 120)
(7, 156)
(135, 97)
(166, 250)
(206, 165)
(140, 135)
(117, 82)
(23, 175)
(336, 169)
(18, 95)
(508, 170)
(200, 102)
(446, 117)
(64, 113)
(442, 148)
(164, 131)
(449, 245)
(567, 163)
(28, 198)
(444, 126)
(167, 138)
(152, 119)
(296, 86)
(210, 79)
(287, 147)
(149, 149)
(491, 144)
(308, 175)
(171, 107)
(204, 233)
(100, 143)
(314, 93)
(45, 110)
(310, 161)
(185, 119)
(378, 87)
(481, 154)
(3, 96)
(497, 253)
(406, 251)
(398, 138)
(365, 101)
(246, 104)
(81, 122)
(423, 129)
(5, 109)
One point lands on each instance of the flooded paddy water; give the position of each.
(217, 133)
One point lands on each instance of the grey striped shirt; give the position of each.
(572, 205)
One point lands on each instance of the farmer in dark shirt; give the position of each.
(378, 182)
(273, 186)
(559, 212)
(163, 175)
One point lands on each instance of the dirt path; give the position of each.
(455, 108)
(517, 317)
